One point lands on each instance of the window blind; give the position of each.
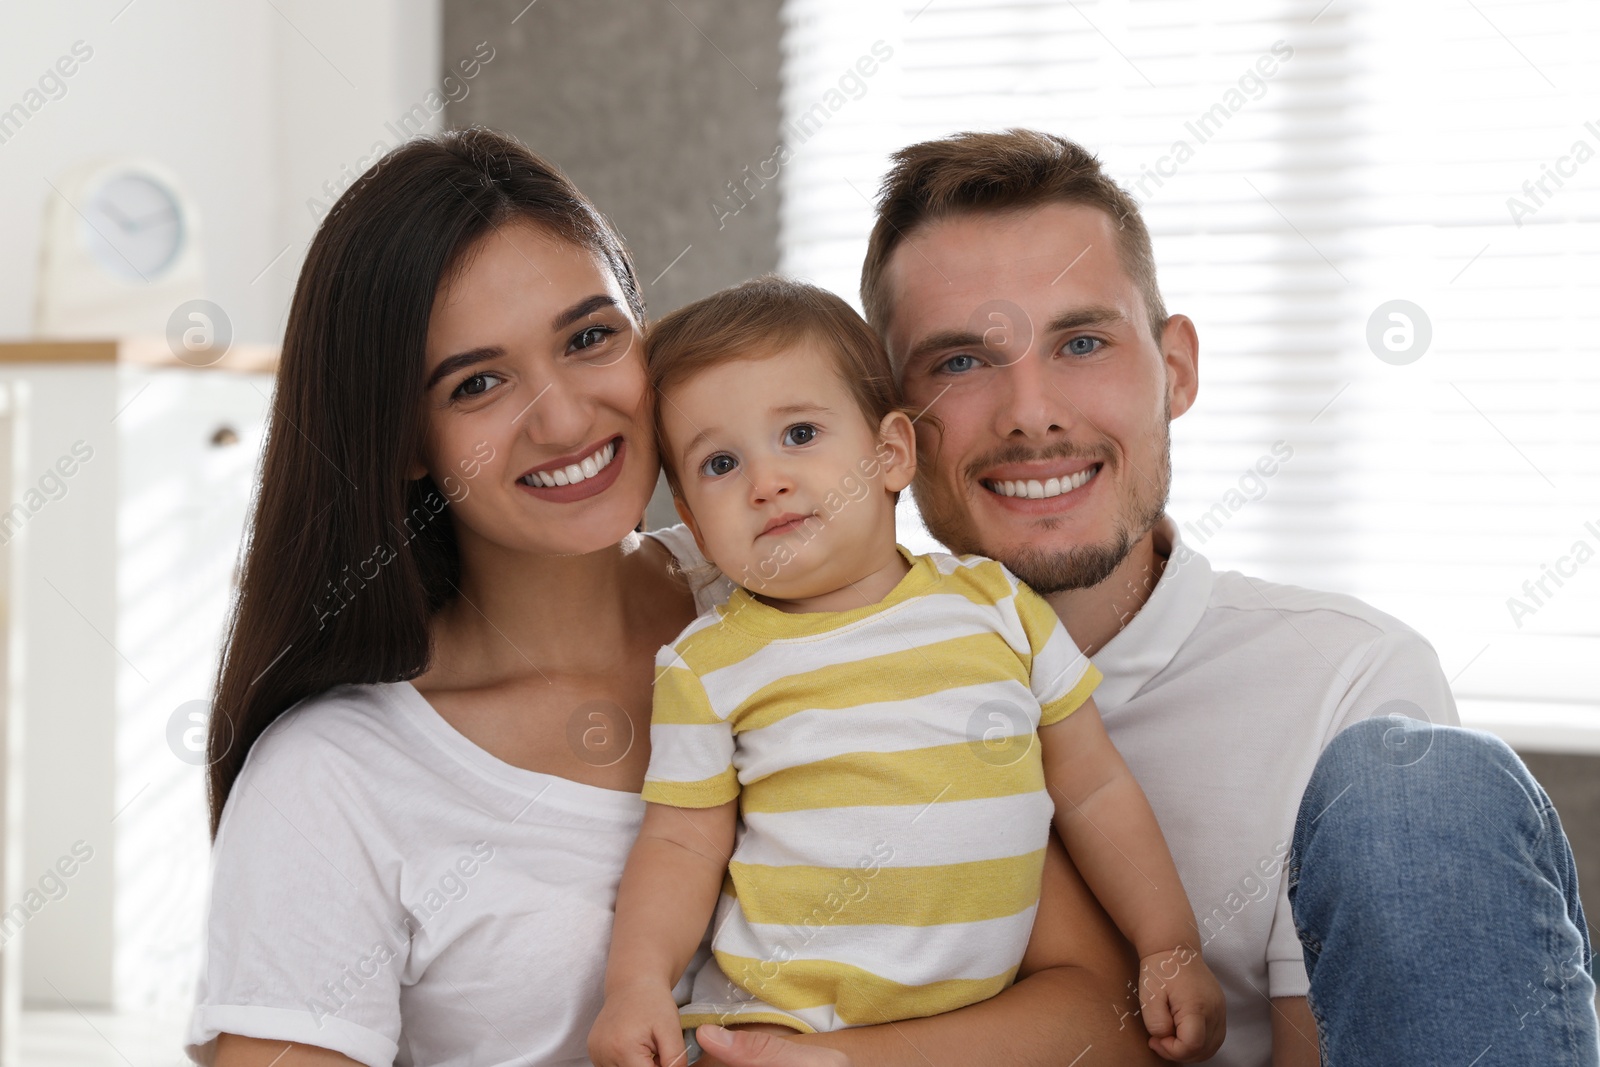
(1303, 166)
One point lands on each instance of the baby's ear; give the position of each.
(688, 520)
(897, 450)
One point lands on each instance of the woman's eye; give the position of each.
(476, 385)
(1084, 346)
(800, 434)
(718, 465)
(592, 336)
(956, 364)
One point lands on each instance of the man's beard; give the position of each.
(1053, 570)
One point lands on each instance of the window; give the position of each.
(1301, 168)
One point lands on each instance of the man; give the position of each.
(1432, 888)
(1337, 833)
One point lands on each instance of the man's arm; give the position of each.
(1073, 1002)
(1294, 1033)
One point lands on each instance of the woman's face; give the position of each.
(538, 425)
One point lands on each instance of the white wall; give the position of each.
(253, 104)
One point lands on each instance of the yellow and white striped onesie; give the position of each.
(894, 816)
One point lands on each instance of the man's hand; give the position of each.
(760, 1046)
(638, 1027)
(1182, 1005)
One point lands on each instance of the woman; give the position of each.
(431, 721)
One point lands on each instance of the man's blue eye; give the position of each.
(718, 465)
(1084, 346)
(951, 363)
(799, 434)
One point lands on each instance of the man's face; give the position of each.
(1044, 443)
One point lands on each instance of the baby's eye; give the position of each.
(718, 465)
(476, 385)
(800, 433)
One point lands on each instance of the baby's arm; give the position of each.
(668, 893)
(1111, 833)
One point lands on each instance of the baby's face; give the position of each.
(785, 483)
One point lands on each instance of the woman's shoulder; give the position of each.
(348, 743)
(345, 719)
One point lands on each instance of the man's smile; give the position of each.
(1041, 488)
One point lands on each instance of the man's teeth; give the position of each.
(573, 473)
(1034, 489)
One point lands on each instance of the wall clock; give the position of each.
(120, 251)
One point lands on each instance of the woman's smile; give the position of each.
(562, 482)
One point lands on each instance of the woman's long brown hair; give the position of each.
(345, 558)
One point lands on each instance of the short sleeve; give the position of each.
(1061, 677)
(710, 586)
(691, 746)
(1286, 961)
(297, 946)
(1400, 674)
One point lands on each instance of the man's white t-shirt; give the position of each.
(383, 887)
(1220, 695)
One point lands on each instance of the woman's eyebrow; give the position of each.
(462, 360)
(587, 306)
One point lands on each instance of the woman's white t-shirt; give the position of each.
(383, 887)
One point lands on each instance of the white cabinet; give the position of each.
(130, 485)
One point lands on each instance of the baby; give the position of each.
(842, 762)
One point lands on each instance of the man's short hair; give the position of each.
(978, 172)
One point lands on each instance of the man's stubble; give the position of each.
(1047, 569)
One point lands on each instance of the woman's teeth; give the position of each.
(1037, 490)
(573, 473)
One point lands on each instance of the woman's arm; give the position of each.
(236, 1051)
(1073, 1004)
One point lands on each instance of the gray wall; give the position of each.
(648, 111)
(1573, 782)
(652, 109)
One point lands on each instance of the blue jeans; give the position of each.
(1437, 905)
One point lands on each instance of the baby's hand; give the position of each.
(1182, 1005)
(638, 1027)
